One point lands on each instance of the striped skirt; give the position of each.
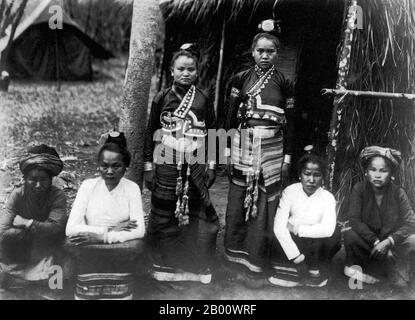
(190, 247)
(258, 150)
(104, 286)
(105, 271)
(249, 240)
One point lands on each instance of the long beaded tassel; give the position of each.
(254, 212)
(248, 196)
(184, 218)
(179, 190)
(182, 204)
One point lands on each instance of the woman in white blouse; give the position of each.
(105, 226)
(305, 225)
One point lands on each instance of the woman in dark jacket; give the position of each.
(32, 227)
(381, 218)
(183, 224)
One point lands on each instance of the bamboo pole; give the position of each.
(337, 112)
(57, 64)
(220, 68)
(369, 94)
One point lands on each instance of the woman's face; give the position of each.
(378, 172)
(265, 53)
(111, 167)
(184, 71)
(311, 178)
(38, 181)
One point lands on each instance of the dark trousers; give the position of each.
(17, 255)
(318, 252)
(358, 253)
(29, 249)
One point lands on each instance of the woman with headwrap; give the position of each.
(33, 225)
(381, 219)
(183, 223)
(106, 225)
(261, 112)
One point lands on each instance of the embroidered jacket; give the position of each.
(164, 115)
(275, 102)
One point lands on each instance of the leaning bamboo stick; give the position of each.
(220, 67)
(369, 94)
(337, 112)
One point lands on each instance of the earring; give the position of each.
(393, 178)
(299, 179)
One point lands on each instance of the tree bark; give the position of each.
(146, 23)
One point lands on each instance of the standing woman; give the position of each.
(382, 221)
(183, 224)
(262, 112)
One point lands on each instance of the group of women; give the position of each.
(286, 236)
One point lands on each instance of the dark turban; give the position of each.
(394, 156)
(42, 157)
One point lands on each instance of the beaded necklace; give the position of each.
(186, 103)
(262, 81)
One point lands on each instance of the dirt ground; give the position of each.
(73, 120)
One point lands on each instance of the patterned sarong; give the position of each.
(104, 286)
(190, 247)
(258, 149)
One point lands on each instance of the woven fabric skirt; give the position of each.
(258, 149)
(190, 247)
(249, 242)
(105, 271)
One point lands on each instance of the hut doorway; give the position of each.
(314, 28)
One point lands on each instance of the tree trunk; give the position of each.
(146, 23)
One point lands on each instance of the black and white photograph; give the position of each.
(207, 155)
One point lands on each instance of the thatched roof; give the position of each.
(199, 10)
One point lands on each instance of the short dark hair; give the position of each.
(184, 53)
(267, 36)
(114, 147)
(312, 158)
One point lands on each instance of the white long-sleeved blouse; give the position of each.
(314, 215)
(95, 209)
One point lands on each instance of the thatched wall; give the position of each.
(382, 60)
